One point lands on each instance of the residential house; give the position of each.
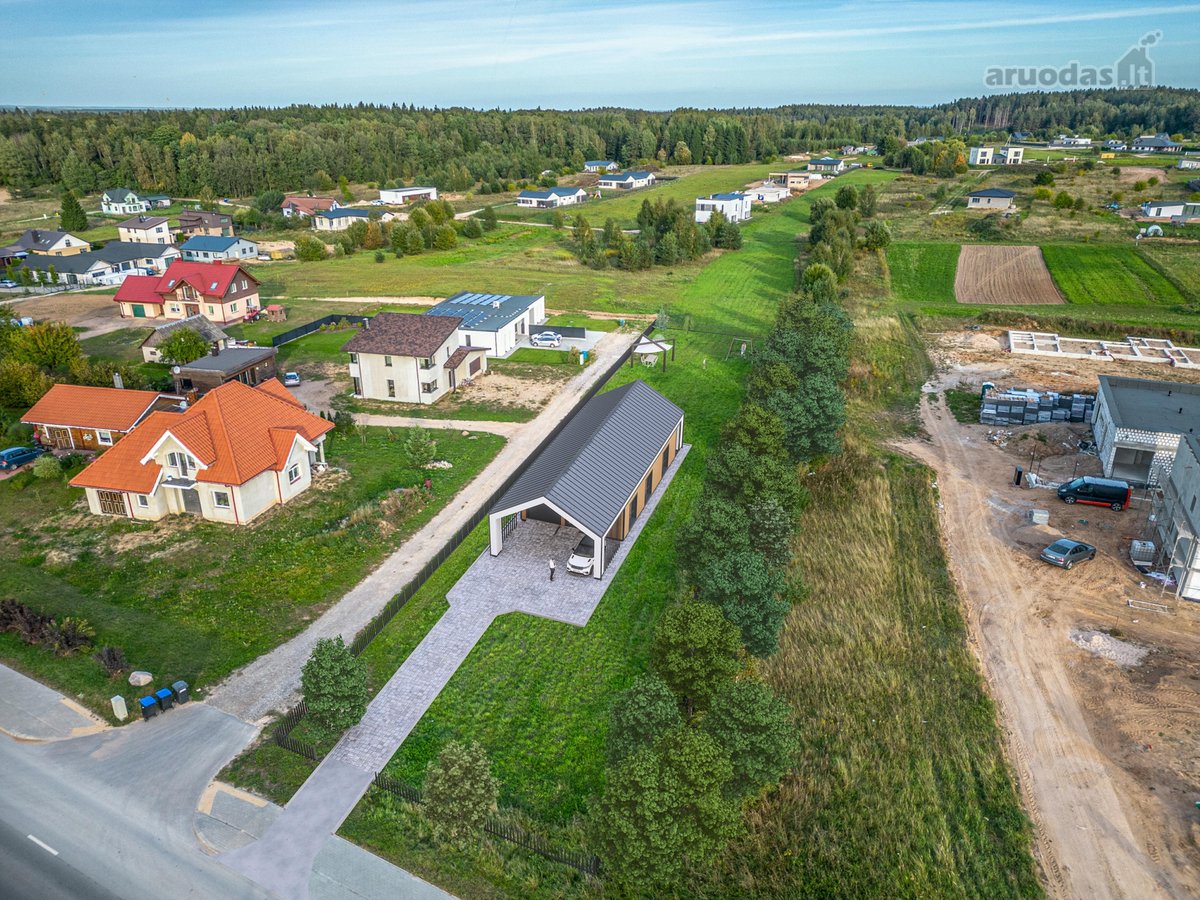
(401, 196)
(221, 292)
(1176, 519)
(1185, 162)
(830, 165)
(1115, 145)
(1010, 156)
(499, 323)
(194, 222)
(234, 454)
(795, 179)
(1020, 136)
(770, 192)
(122, 202)
(552, 197)
(1137, 424)
(734, 205)
(79, 417)
(157, 201)
(111, 264)
(145, 230)
(980, 156)
(600, 165)
(626, 181)
(338, 219)
(598, 473)
(203, 248)
(250, 365)
(1157, 143)
(307, 206)
(213, 335)
(1073, 141)
(991, 199)
(1175, 210)
(411, 359)
(46, 243)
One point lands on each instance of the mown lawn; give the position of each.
(122, 346)
(1108, 276)
(923, 272)
(195, 600)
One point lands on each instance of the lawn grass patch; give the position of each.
(1108, 276)
(965, 405)
(123, 346)
(574, 320)
(540, 356)
(188, 599)
(316, 349)
(923, 272)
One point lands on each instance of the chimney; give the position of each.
(216, 348)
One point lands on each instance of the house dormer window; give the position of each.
(181, 462)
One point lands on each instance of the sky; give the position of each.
(566, 55)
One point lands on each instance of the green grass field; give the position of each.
(1108, 276)
(195, 600)
(122, 346)
(923, 272)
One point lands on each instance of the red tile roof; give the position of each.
(211, 279)
(78, 406)
(138, 289)
(235, 431)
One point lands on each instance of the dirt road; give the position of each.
(1105, 826)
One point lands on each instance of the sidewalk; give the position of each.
(272, 682)
(228, 819)
(30, 711)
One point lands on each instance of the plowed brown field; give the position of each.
(1004, 276)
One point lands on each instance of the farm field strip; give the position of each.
(1089, 275)
(1003, 276)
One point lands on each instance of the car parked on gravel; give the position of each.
(291, 379)
(546, 339)
(1065, 553)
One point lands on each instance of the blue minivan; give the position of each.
(15, 457)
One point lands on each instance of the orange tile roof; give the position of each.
(78, 406)
(236, 431)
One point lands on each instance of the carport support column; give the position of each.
(496, 533)
(599, 559)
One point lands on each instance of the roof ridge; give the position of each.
(598, 425)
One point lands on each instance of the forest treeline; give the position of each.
(242, 152)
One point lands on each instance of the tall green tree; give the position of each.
(72, 217)
(182, 345)
(445, 238)
(641, 714)
(695, 649)
(334, 682)
(309, 248)
(755, 728)
(51, 346)
(460, 792)
(488, 217)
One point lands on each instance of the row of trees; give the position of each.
(835, 236)
(428, 227)
(695, 740)
(242, 152)
(33, 358)
(667, 234)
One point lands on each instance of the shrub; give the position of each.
(460, 792)
(335, 685)
(47, 466)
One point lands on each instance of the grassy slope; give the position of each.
(923, 272)
(191, 602)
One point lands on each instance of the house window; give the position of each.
(104, 438)
(211, 310)
(181, 462)
(427, 363)
(293, 473)
(354, 358)
(233, 307)
(391, 388)
(143, 501)
(429, 387)
(1192, 508)
(244, 280)
(387, 361)
(221, 499)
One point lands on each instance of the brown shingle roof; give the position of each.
(459, 355)
(403, 334)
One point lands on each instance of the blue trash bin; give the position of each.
(165, 698)
(149, 706)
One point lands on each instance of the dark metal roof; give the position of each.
(1158, 406)
(484, 312)
(993, 192)
(233, 359)
(591, 469)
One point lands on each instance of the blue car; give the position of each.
(15, 457)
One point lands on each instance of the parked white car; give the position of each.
(546, 339)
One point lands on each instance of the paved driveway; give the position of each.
(33, 712)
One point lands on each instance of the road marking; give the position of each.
(43, 845)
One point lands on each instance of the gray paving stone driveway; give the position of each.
(515, 581)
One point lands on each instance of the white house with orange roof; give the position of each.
(229, 458)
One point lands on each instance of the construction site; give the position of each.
(1095, 670)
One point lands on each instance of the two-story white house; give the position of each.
(600, 165)
(411, 359)
(626, 181)
(230, 457)
(123, 202)
(980, 156)
(145, 230)
(498, 323)
(735, 206)
(1137, 425)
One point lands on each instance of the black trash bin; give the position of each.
(180, 689)
(165, 698)
(149, 706)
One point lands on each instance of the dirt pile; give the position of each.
(1108, 647)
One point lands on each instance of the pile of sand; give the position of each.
(1108, 647)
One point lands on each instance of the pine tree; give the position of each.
(488, 217)
(72, 217)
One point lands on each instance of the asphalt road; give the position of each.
(116, 808)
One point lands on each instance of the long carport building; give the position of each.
(598, 473)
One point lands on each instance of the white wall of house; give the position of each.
(132, 206)
(1177, 516)
(156, 234)
(400, 196)
(371, 373)
(989, 202)
(340, 223)
(736, 210)
(1012, 156)
(980, 156)
(241, 249)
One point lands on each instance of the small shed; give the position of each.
(276, 313)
